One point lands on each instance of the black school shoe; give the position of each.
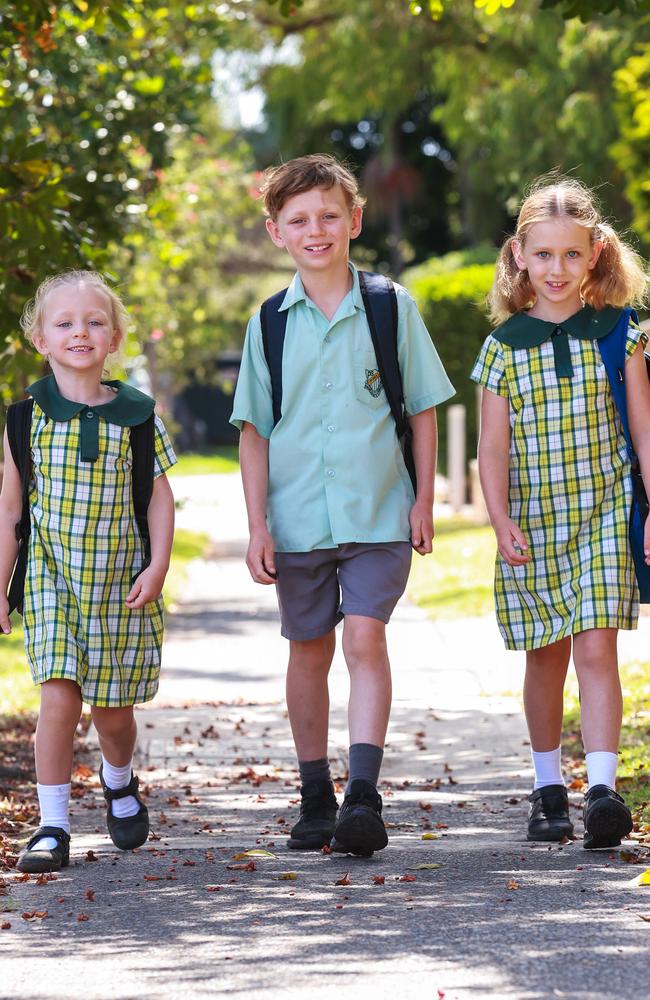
(44, 860)
(360, 829)
(318, 808)
(606, 818)
(548, 815)
(131, 831)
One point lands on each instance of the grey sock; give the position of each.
(314, 770)
(365, 762)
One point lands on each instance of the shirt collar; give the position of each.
(522, 331)
(129, 408)
(296, 291)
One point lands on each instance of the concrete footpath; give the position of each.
(459, 906)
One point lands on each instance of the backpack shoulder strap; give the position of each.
(19, 423)
(612, 352)
(380, 302)
(143, 454)
(274, 327)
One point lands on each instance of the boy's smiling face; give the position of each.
(315, 227)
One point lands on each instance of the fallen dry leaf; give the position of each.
(46, 877)
(91, 856)
(34, 915)
(428, 867)
(378, 879)
(152, 878)
(288, 876)
(430, 836)
(255, 852)
(512, 883)
(82, 917)
(643, 878)
(250, 867)
(345, 880)
(644, 916)
(407, 878)
(5, 926)
(90, 895)
(212, 888)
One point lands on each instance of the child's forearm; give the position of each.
(425, 451)
(254, 462)
(8, 547)
(160, 517)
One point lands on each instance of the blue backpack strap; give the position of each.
(19, 424)
(612, 350)
(380, 303)
(274, 327)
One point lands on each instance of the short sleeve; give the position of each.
(635, 336)
(489, 367)
(164, 456)
(253, 403)
(424, 379)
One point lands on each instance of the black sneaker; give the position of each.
(606, 818)
(548, 816)
(45, 859)
(360, 828)
(318, 810)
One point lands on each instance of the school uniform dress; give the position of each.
(85, 548)
(569, 482)
(336, 470)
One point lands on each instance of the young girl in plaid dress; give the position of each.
(93, 613)
(556, 479)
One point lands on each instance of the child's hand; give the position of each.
(260, 557)
(5, 624)
(512, 543)
(146, 587)
(421, 521)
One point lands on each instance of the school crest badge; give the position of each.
(373, 382)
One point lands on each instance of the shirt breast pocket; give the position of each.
(368, 386)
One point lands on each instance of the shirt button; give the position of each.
(329, 385)
(90, 414)
(331, 428)
(331, 473)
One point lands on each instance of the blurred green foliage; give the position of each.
(450, 293)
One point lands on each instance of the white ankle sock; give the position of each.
(548, 767)
(54, 802)
(119, 777)
(601, 768)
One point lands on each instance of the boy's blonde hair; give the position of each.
(619, 277)
(31, 320)
(316, 170)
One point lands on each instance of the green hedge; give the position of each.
(450, 292)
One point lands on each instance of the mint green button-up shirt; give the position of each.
(336, 472)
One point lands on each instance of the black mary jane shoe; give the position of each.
(45, 859)
(548, 815)
(606, 817)
(131, 831)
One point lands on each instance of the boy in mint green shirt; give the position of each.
(331, 509)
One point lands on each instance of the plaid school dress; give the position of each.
(85, 549)
(569, 488)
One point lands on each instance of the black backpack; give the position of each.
(380, 302)
(19, 422)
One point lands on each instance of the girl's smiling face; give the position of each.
(557, 254)
(77, 331)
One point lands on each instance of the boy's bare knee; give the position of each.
(313, 653)
(364, 640)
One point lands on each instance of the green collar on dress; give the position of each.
(522, 330)
(129, 408)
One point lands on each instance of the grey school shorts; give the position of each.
(316, 589)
